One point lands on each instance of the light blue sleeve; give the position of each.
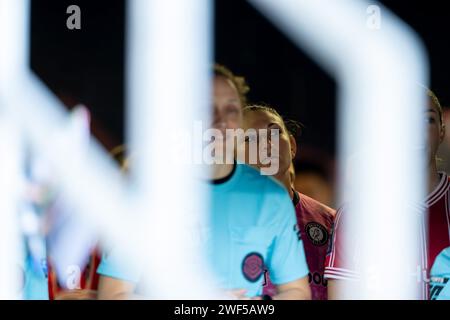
(35, 280)
(287, 261)
(440, 276)
(114, 264)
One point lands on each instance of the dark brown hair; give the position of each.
(436, 103)
(292, 127)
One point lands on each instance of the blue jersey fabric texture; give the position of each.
(252, 228)
(35, 281)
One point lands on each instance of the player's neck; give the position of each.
(285, 179)
(217, 171)
(220, 171)
(433, 177)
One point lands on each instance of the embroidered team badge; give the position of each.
(316, 233)
(253, 266)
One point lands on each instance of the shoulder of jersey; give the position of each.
(317, 206)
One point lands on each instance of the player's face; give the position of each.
(227, 108)
(265, 120)
(435, 131)
(227, 114)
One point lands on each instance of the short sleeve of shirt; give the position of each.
(336, 268)
(114, 265)
(440, 276)
(287, 261)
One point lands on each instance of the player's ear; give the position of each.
(293, 144)
(442, 133)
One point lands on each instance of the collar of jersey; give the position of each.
(230, 182)
(439, 191)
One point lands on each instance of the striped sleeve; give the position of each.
(335, 269)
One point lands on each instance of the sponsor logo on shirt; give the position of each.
(437, 285)
(317, 278)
